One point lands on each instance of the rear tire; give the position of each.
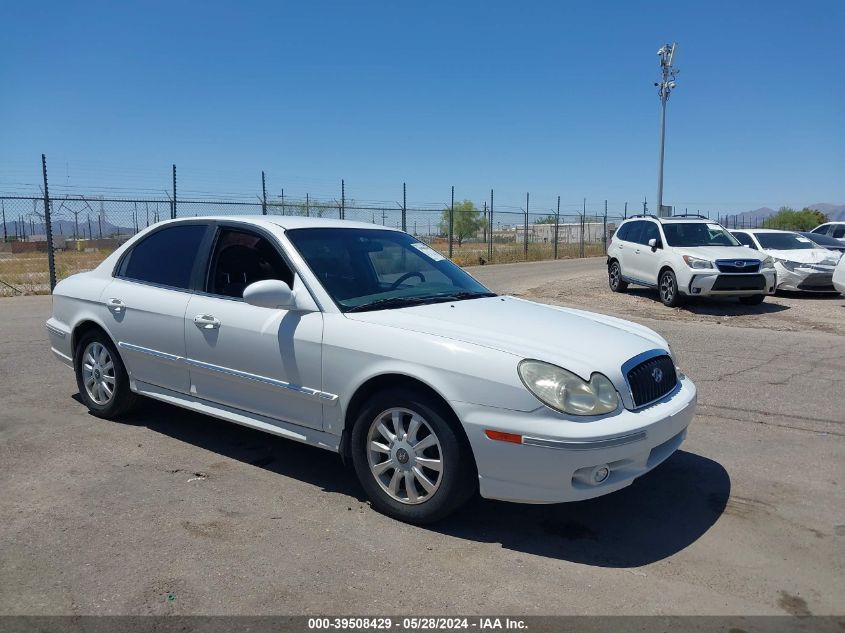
(668, 289)
(753, 300)
(411, 484)
(101, 376)
(614, 277)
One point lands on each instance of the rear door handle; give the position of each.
(206, 322)
(116, 305)
(637, 251)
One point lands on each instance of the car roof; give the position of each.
(673, 219)
(288, 221)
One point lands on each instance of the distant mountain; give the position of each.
(834, 212)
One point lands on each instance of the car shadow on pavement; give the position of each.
(660, 514)
(713, 306)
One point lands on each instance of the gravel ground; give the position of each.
(173, 512)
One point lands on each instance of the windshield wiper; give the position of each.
(404, 302)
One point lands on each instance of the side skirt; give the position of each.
(631, 280)
(287, 430)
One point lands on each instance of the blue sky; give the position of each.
(555, 98)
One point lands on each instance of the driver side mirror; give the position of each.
(270, 293)
(655, 244)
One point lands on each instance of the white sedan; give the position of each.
(801, 264)
(364, 341)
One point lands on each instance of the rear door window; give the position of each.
(166, 257)
(838, 232)
(635, 231)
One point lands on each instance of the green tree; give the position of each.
(466, 223)
(792, 220)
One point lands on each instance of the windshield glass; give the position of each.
(697, 234)
(375, 269)
(784, 241)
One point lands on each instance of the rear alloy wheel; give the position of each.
(668, 289)
(101, 376)
(753, 300)
(614, 278)
(409, 458)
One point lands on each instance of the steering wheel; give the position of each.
(413, 273)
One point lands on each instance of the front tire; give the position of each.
(753, 300)
(410, 459)
(101, 376)
(668, 289)
(614, 277)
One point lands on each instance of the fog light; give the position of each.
(600, 473)
(696, 291)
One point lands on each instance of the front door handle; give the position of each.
(206, 322)
(637, 251)
(116, 305)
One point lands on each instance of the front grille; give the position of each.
(644, 383)
(739, 282)
(738, 265)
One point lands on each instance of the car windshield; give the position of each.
(697, 234)
(784, 241)
(377, 269)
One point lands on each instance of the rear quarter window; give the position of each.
(166, 257)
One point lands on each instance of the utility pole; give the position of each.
(263, 194)
(173, 207)
(51, 256)
(665, 86)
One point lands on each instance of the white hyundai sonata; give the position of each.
(364, 341)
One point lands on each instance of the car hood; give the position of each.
(806, 256)
(720, 252)
(582, 342)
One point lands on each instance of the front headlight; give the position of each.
(564, 391)
(768, 262)
(790, 266)
(697, 263)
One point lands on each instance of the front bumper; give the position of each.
(809, 279)
(715, 284)
(556, 465)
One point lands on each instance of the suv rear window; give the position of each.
(166, 257)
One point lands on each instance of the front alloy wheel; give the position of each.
(404, 455)
(668, 289)
(411, 456)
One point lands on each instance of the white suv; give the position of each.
(685, 256)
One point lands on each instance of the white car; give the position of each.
(839, 276)
(686, 256)
(801, 264)
(835, 230)
(366, 342)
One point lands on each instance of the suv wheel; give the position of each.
(614, 277)
(668, 289)
(101, 377)
(410, 460)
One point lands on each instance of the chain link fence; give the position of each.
(85, 230)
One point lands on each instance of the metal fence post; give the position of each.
(557, 225)
(404, 208)
(342, 199)
(604, 228)
(173, 208)
(490, 244)
(51, 256)
(5, 234)
(451, 221)
(525, 230)
(263, 194)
